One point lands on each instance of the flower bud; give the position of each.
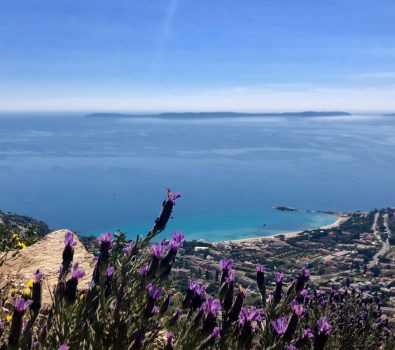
(169, 341)
(37, 291)
(260, 279)
(323, 329)
(279, 277)
(137, 342)
(20, 306)
(237, 305)
(165, 214)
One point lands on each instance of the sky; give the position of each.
(188, 55)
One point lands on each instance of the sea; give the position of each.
(94, 175)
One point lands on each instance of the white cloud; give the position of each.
(378, 75)
(236, 99)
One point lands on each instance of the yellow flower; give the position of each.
(26, 291)
(21, 245)
(82, 296)
(14, 236)
(8, 318)
(29, 284)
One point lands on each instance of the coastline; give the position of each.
(340, 218)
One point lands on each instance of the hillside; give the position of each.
(22, 223)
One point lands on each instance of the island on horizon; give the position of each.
(200, 115)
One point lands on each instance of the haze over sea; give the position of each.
(98, 174)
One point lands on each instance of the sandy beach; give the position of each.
(340, 219)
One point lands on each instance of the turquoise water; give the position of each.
(217, 226)
(95, 175)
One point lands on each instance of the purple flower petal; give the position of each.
(20, 304)
(248, 315)
(216, 334)
(38, 276)
(172, 196)
(307, 333)
(128, 247)
(143, 270)
(77, 272)
(305, 272)
(260, 268)
(296, 308)
(157, 250)
(105, 238)
(226, 264)
(178, 236)
(279, 277)
(110, 271)
(280, 325)
(69, 239)
(154, 292)
(323, 326)
(213, 306)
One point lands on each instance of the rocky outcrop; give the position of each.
(45, 255)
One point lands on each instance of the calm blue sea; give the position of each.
(93, 175)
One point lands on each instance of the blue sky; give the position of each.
(197, 55)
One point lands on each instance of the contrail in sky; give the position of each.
(166, 30)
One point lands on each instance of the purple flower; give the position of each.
(304, 293)
(172, 197)
(143, 270)
(279, 277)
(128, 247)
(260, 268)
(105, 238)
(280, 325)
(63, 347)
(77, 273)
(154, 292)
(307, 333)
(178, 236)
(155, 310)
(291, 347)
(226, 264)
(69, 239)
(296, 308)
(110, 271)
(192, 284)
(323, 326)
(248, 315)
(197, 287)
(157, 250)
(170, 338)
(20, 304)
(200, 289)
(216, 334)
(138, 339)
(305, 272)
(230, 278)
(174, 245)
(212, 306)
(37, 276)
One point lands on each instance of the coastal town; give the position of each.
(356, 252)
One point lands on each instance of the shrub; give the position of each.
(130, 305)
